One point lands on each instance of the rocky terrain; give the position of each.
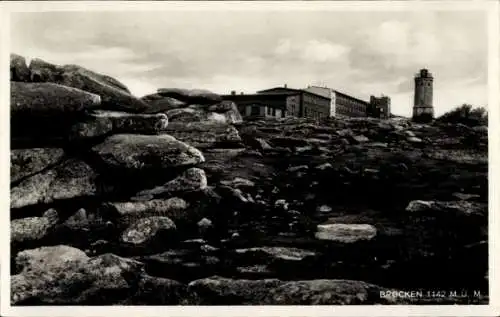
(171, 199)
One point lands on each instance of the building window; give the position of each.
(269, 110)
(255, 110)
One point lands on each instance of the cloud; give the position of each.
(361, 53)
(313, 50)
(284, 47)
(323, 51)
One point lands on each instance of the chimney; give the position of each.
(285, 86)
(233, 92)
(241, 93)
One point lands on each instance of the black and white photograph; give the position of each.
(255, 154)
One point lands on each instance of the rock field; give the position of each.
(171, 199)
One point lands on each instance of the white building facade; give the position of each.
(325, 92)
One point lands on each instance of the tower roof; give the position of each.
(423, 73)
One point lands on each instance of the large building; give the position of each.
(344, 105)
(423, 110)
(281, 102)
(312, 102)
(302, 103)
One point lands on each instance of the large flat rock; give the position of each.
(225, 291)
(128, 212)
(40, 110)
(327, 292)
(345, 233)
(114, 95)
(191, 96)
(102, 122)
(193, 179)
(27, 162)
(142, 152)
(158, 103)
(46, 99)
(200, 113)
(148, 231)
(42, 71)
(49, 275)
(218, 290)
(108, 80)
(32, 229)
(70, 179)
(204, 135)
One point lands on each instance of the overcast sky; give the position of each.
(360, 53)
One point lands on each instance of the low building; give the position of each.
(341, 104)
(302, 103)
(312, 102)
(325, 92)
(260, 106)
(380, 107)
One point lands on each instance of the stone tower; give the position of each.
(423, 110)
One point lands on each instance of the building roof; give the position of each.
(341, 93)
(350, 97)
(290, 91)
(326, 91)
(256, 96)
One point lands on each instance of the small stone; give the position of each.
(208, 248)
(463, 196)
(360, 138)
(324, 208)
(309, 196)
(238, 182)
(297, 168)
(204, 225)
(281, 203)
(409, 133)
(324, 166)
(403, 166)
(414, 140)
(294, 213)
(344, 132)
(146, 230)
(418, 205)
(344, 141)
(262, 145)
(378, 145)
(345, 233)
